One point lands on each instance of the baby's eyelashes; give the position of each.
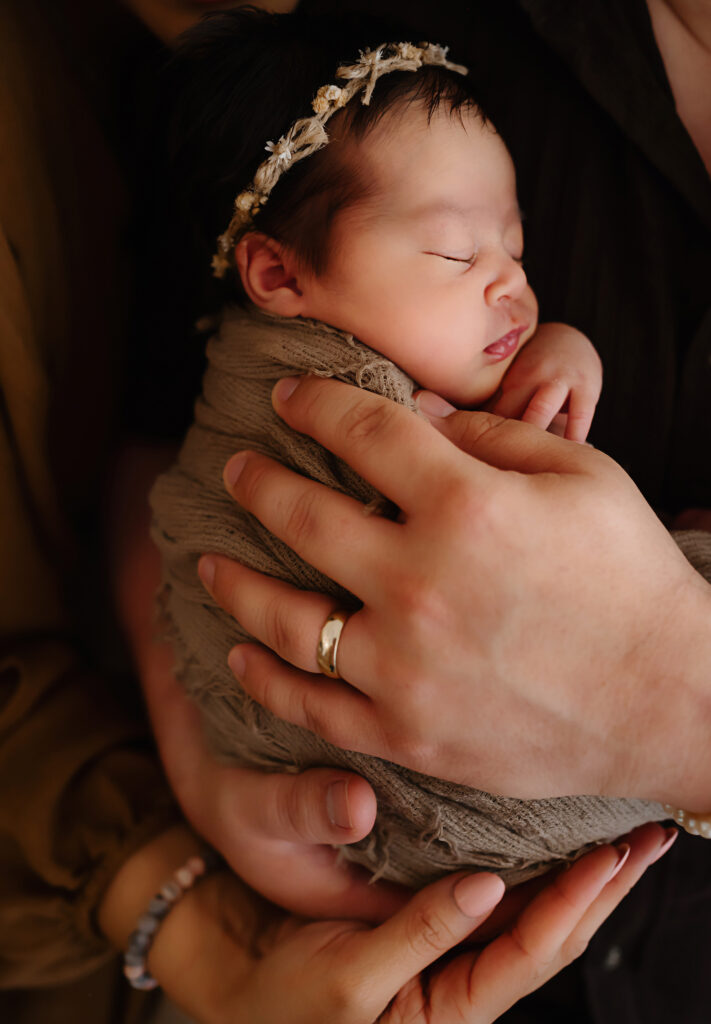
(454, 259)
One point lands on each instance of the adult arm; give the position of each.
(528, 599)
(225, 955)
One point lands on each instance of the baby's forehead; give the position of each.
(443, 166)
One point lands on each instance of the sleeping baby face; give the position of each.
(427, 270)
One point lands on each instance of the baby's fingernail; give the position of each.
(671, 837)
(478, 894)
(337, 805)
(623, 852)
(235, 659)
(285, 388)
(206, 571)
(233, 470)
(432, 405)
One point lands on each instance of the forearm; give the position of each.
(675, 723)
(204, 951)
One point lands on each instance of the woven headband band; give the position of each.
(307, 135)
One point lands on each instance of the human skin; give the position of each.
(227, 957)
(426, 269)
(133, 886)
(429, 271)
(672, 715)
(530, 655)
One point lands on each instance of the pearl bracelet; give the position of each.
(694, 824)
(141, 940)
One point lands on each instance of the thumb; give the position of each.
(319, 805)
(433, 922)
(504, 443)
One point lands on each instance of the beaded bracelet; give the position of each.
(694, 824)
(141, 940)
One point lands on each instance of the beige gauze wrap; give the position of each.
(425, 827)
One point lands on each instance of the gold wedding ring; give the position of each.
(328, 642)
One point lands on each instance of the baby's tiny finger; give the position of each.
(547, 401)
(581, 409)
(513, 402)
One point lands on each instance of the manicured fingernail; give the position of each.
(206, 571)
(432, 405)
(285, 388)
(337, 805)
(477, 894)
(623, 852)
(671, 837)
(235, 659)
(233, 470)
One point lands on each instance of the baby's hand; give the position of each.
(557, 371)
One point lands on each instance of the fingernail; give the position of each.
(206, 571)
(432, 405)
(671, 837)
(337, 805)
(623, 852)
(233, 470)
(235, 659)
(477, 894)
(285, 388)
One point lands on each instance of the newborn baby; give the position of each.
(386, 252)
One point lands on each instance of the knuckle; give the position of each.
(252, 481)
(363, 424)
(294, 808)
(300, 517)
(537, 968)
(342, 999)
(429, 933)
(277, 629)
(573, 948)
(310, 716)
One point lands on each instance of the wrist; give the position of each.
(671, 752)
(139, 878)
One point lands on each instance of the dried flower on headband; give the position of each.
(307, 135)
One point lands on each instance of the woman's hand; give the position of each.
(527, 599)
(227, 957)
(274, 830)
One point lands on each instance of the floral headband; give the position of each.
(307, 135)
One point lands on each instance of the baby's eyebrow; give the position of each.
(442, 206)
(450, 208)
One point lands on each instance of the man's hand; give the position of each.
(528, 600)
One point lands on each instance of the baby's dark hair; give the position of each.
(241, 78)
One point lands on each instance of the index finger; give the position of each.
(390, 446)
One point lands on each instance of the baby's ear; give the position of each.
(269, 274)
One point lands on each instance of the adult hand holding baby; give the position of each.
(529, 600)
(223, 954)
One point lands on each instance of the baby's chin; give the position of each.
(482, 390)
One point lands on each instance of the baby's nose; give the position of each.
(507, 282)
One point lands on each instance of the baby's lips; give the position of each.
(506, 345)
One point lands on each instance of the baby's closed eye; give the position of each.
(454, 259)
